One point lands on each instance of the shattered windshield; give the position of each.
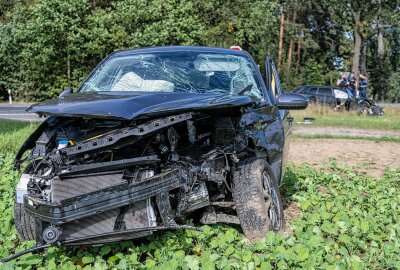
(183, 71)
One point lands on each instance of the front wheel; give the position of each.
(258, 200)
(24, 223)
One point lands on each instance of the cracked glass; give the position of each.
(182, 71)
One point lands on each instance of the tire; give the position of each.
(364, 108)
(24, 223)
(257, 197)
(312, 101)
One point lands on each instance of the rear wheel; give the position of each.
(258, 201)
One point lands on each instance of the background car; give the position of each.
(326, 95)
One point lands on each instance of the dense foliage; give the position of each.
(47, 45)
(51, 44)
(343, 221)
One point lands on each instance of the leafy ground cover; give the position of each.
(346, 221)
(326, 116)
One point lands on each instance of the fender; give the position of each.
(30, 142)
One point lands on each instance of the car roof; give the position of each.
(178, 49)
(303, 86)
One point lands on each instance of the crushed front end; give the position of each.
(92, 181)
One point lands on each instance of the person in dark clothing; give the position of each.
(362, 85)
(343, 82)
(352, 84)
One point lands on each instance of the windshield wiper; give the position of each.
(244, 90)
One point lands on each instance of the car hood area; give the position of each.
(132, 105)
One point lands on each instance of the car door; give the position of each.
(273, 84)
(274, 89)
(326, 95)
(313, 91)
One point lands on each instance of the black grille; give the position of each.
(67, 188)
(135, 217)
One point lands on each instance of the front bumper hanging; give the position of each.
(101, 200)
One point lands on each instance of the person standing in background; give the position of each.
(352, 84)
(342, 82)
(362, 85)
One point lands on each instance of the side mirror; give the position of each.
(66, 91)
(292, 101)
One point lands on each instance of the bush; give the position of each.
(393, 93)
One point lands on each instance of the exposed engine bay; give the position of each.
(90, 180)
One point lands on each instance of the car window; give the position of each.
(302, 90)
(325, 91)
(299, 90)
(312, 90)
(275, 87)
(178, 71)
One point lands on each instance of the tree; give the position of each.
(281, 30)
(291, 37)
(12, 72)
(394, 87)
(46, 45)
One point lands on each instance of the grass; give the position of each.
(13, 134)
(345, 221)
(326, 116)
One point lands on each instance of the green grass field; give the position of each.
(13, 134)
(344, 221)
(328, 117)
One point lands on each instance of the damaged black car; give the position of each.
(152, 138)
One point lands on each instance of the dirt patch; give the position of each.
(364, 156)
(344, 131)
(292, 211)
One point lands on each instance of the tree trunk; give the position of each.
(69, 69)
(298, 51)
(290, 53)
(356, 53)
(381, 59)
(381, 43)
(357, 41)
(363, 59)
(281, 40)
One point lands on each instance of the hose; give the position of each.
(76, 240)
